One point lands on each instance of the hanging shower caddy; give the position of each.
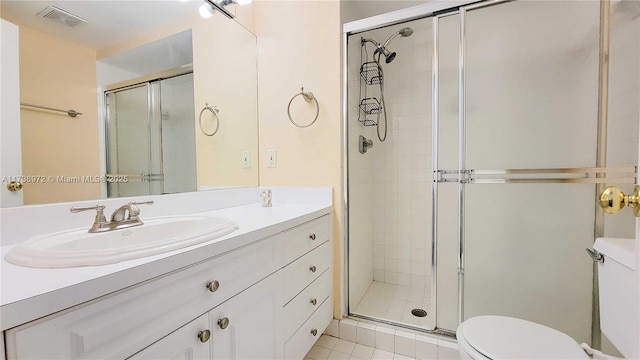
(370, 74)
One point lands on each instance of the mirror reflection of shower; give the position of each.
(371, 73)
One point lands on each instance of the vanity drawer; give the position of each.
(119, 325)
(298, 310)
(302, 341)
(302, 239)
(303, 271)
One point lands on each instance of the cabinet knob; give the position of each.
(224, 322)
(204, 335)
(314, 332)
(213, 285)
(312, 236)
(313, 301)
(312, 268)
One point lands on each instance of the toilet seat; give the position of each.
(500, 337)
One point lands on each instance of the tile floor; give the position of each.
(331, 348)
(395, 302)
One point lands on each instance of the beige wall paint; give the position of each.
(299, 45)
(225, 77)
(59, 74)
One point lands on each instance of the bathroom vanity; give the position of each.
(263, 291)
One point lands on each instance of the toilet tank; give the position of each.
(618, 293)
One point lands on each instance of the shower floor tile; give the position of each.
(395, 302)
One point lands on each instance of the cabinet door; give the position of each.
(247, 326)
(189, 342)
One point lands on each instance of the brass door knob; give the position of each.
(14, 186)
(613, 200)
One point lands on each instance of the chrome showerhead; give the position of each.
(388, 55)
(404, 32)
(382, 48)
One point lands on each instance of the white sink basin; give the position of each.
(77, 247)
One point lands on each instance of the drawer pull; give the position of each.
(213, 285)
(204, 335)
(313, 302)
(312, 236)
(314, 332)
(312, 268)
(224, 322)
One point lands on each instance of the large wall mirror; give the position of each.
(168, 100)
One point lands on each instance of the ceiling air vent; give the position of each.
(62, 17)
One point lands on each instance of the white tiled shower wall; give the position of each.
(391, 184)
(361, 192)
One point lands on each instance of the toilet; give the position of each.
(501, 337)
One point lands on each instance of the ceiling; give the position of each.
(109, 21)
(167, 53)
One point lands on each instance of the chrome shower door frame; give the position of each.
(462, 175)
(433, 10)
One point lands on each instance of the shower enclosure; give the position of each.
(151, 137)
(504, 122)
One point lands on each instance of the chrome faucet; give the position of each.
(125, 216)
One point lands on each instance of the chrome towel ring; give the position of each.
(214, 110)
(307, 96)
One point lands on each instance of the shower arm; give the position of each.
(384, 45)
(379, 47)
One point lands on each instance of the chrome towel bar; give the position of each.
(70, 113)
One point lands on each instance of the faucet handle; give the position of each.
(100, 219)
(150, 202)
(76, 209)
(134, 210)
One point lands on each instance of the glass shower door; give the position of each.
(151, 137)
(529, 131)
(134, 146)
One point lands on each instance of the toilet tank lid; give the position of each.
(619, 250)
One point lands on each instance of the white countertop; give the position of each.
(30, 293)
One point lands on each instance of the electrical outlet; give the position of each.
(272, 158)
(246, 159)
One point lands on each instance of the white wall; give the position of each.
(10, 112)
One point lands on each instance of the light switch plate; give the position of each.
(246, 159)
(272, 158)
